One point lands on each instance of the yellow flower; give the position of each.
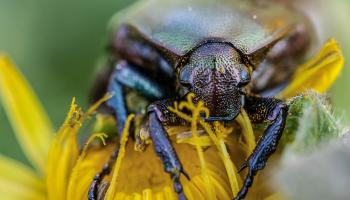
(64, 169)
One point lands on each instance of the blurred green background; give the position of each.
(56, 45)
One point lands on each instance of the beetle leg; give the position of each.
(123, 76)
(158, 116)
(260, 110)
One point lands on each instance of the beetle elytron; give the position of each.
(229, 53)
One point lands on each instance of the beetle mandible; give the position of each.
(229, 53)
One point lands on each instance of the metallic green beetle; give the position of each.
(229, 53)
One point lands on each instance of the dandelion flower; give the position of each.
(63, 168)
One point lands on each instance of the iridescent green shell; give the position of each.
(181, 25)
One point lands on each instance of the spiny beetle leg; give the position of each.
(117, 103)
(124, 75)
(164, 149)
(129, 76)
(260, 110)
(94, 187)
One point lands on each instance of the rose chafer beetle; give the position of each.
(231, 54)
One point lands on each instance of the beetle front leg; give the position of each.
(260, 110)
(117, 103)
(124, 75)
(158, 115)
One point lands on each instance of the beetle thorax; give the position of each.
(215, 74)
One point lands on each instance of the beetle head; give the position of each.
(216, 74)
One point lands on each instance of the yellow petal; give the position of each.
(217, 136)
(140, 175)
(147, 194)
(112, 190)
(319, 73)
(276, 196)
(203, 141)
(248, 134)
(18, 182)
(81, 174)
(86, 169)
(205, 173)
(27, 117)
(63, 154)
(64, 150)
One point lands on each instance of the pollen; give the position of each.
(221, 69)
